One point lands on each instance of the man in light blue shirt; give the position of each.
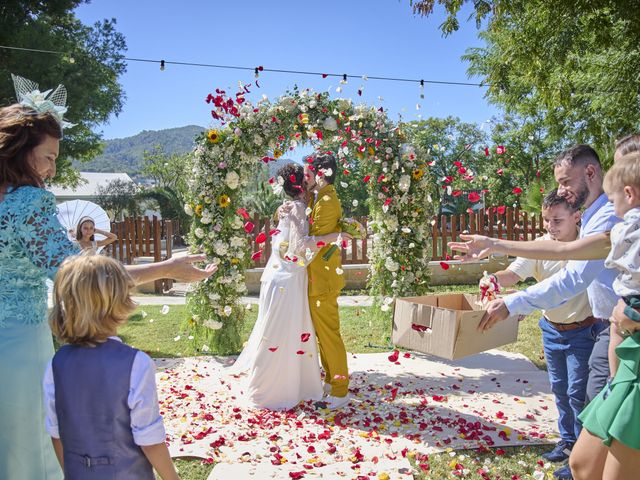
(579, 175)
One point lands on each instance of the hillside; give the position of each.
(125, 154)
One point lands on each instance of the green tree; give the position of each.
(119, 198)
(260, 197)
(572, 63)
(89, 68)
(169, 189)
(454, 160)
(527, 162)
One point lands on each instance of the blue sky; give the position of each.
(374, 37)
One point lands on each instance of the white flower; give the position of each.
(199, 232)
(205, 348)
(327, 172)
(257, 139)
(214, 296)
(330, 124)
(165, 309)
(385, 308)
(220, 248)
(391, 223)
(206, 219)
(405, 230)
(236, 242)
(390, 265)
(277, 186)
(213, 325)
(404, 183)
(175, 339)
(354, 203)
(228, 310)
(188, 210)
(236, 223)
(232, 180)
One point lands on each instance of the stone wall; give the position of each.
(356, 275)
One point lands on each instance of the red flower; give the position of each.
(366, 179)
(305, 337)
(394, 356)
(500, 149)
(456, 193)
(501, 209)
(248, 227)
(243, 213)
(444, 265)
(319, 134)
(273, 232)
(256, 255)
(474, 197)
(517, 190)
(500, 171)
(486, 151)
(261, 238)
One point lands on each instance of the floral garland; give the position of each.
(397, 177)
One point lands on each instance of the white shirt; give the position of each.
(577, 276)
(625, 254)
(575, 309)
(146, 422)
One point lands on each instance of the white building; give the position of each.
(88, 188)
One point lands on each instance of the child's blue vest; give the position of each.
(94, 419)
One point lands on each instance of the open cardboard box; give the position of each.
(447, 326)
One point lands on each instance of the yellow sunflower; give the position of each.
(224, 201)
(198, 210)
(213, 136)
(417, 174)
(277, 153)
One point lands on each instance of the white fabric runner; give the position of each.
(491, 399)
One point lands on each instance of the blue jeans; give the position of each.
(567, 354)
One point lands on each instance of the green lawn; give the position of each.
(162, 336)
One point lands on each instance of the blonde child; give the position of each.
(100, 396)
(609, 444)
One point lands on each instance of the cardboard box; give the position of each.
(446, 326)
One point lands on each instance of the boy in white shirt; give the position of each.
(568, 331)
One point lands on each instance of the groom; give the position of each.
(325, 277)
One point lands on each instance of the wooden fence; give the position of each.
(143, 237)
(508, 223)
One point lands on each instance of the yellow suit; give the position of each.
(325, 285)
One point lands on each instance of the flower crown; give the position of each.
(51, 101)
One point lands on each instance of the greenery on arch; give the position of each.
(363, 139)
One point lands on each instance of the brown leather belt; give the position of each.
(564, 327)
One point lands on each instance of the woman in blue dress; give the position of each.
(33, 244)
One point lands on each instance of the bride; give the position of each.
(281, 356)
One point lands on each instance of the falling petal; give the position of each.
(164, 310)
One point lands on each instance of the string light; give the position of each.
(344, 76)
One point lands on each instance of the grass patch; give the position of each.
(364, 331)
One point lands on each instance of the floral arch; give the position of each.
(362, 138)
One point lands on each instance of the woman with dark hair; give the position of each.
(85, 235)
(281, 356)
(33, 244)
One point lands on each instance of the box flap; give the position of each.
(469, 340)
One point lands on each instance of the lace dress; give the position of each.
(281, 356)
(32, 246)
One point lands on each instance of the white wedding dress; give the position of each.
(281, 355)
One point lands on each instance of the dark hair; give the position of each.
(628, 144)
(578, 155)
(21, 130)
(293, 176)
(324, 161)
(552, 199)
(82, 221)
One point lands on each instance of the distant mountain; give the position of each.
(125, 154)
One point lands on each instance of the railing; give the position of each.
(143, 237)
(508, 223)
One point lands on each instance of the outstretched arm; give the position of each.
(476, 247)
